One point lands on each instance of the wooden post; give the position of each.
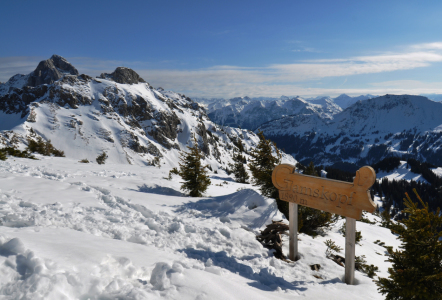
(350, 241)
(293, 231)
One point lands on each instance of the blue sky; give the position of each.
(235, 48)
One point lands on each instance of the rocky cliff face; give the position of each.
(50, 70)
(123, 75)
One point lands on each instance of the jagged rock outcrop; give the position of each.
(51, 70)
(123, 75)
(203, 133)
(17, 100)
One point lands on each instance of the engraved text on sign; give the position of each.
(343, 198)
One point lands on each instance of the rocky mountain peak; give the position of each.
(51, 70)
(123, 75)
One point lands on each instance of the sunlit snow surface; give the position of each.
(403, 172)
(84, 231)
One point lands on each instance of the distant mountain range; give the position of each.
(345, 131)
(250, 113)
(364, 133)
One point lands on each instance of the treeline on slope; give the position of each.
(393, 192)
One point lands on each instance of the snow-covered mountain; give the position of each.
(365, 132)
(247, 113)
(345, 101)
(434, 97)
(250, 113)
(118, 113)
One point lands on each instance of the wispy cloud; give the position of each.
(298, 78)
(428, 46)
(306, 49)
(12, 65)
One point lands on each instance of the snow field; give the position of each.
(86, 231)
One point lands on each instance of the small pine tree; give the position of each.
(194, 174)
(310, 170)
(2, 154)
(416, 272)
(238, 169)
(101, 159)
(262, 164)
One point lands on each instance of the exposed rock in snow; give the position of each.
(51, 70)
(123, 75)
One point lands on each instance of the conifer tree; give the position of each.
(416, 272)
(2, 154)
(238, 169)
(193, 172)
(262, 164)
(310, 170)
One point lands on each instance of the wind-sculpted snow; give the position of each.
(85, 231)
(246, 206)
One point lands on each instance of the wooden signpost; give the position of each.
(339, 197)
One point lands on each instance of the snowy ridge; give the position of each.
(345, 101)
(248, 113)
(365, 132)
(402, 173)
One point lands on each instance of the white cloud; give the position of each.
(428, 46)
(271, 80)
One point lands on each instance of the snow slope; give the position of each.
(402, 173)
(85, 231)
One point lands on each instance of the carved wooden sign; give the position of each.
(339, 197)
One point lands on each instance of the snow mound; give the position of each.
(246, 205)
(161, 190)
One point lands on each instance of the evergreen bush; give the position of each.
(2, 154)
(194, 174)
(416, 271)
(332, 248)
(43, 148)
(101, 159)
(238, 169)
(14, 152)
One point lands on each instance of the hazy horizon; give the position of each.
(227, 49)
